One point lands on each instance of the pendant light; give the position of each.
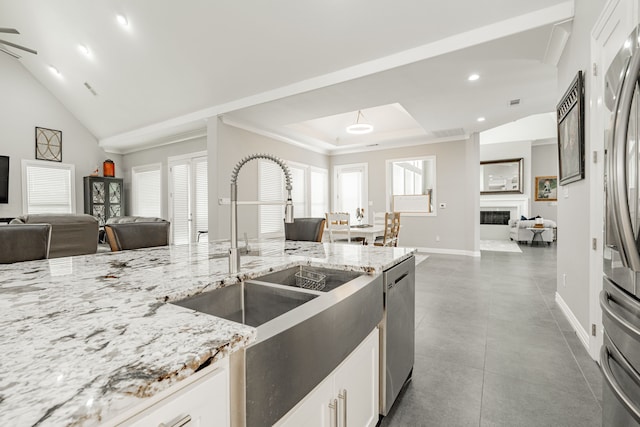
(359, 128)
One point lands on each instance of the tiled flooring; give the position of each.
(493, 348)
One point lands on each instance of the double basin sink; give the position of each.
(308, 320)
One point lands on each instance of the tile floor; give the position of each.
(493, 348)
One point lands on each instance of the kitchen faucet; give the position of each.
(234, 254)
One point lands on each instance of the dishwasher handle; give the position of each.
(398, 280)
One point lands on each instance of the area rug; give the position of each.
(499, 246)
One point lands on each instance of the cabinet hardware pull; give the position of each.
(333, 406)
(343, 396)
(181, 422)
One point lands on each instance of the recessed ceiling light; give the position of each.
(54, 70)
(84, 50)
(481, 119)
(122, 20)
(473, 77)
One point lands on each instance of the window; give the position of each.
(146, 189)
(412, 177)
(48, 187)
(309, 193)
(188, 199)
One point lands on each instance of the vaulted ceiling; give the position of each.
(296, 69)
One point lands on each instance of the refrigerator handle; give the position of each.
(619, 320)
(622, 215)
(611, 352)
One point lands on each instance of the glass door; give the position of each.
(351, 189)
(188, 199)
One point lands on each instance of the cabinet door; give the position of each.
(205, 402)
(358, 376)
(313, 410)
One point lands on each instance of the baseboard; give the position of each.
(580, 332)
(448, 251)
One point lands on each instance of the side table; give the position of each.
(537, 234)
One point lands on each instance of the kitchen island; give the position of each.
(87, 338)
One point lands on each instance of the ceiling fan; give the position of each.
(4, 43)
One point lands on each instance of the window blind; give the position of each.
(147, 191)
(299, 190)
(270, 189)
(180, 222)
(49, 189)
(319, 192)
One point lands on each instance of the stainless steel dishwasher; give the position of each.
(397, 332)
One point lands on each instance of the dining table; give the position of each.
(367, 231)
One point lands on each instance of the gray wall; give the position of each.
(544, 162)
(158, 155)
(457, 185)
(25, 105)
(573, 208)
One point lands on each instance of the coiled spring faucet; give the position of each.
(234, 254)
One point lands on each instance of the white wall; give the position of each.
(573, 207)
(457, 185)
(25, 105)
(544, 162)
(158, 155)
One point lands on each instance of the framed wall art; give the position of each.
(546, 189)
(570, 113)
(48, 144)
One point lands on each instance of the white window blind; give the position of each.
(146, 183)
(48, 188)
(270, 189)
(180, 221)
(299, 190)
(319, 192)
(201, 216)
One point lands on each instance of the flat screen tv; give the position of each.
(4, 179)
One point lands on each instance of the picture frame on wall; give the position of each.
(48, 144)
(570, 114)
(546, 189)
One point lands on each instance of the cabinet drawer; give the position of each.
(205, 402)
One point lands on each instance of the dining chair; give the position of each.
(24, 242)
(391, 230)
(304, 229)
(136, 235)
(338, 221)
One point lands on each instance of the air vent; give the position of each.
(88, 86)
(448, 133)
(514, 102)
(372, 145)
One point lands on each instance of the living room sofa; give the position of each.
(71, 234)
(518, 230)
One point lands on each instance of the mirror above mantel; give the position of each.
(501, 176)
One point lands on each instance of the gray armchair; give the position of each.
(22, 242)
(304, 229)
(71, 234)
(136, 235)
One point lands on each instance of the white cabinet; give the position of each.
(348, 397)
(205, 402)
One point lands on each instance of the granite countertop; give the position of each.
(86, 338)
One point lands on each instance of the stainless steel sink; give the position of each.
(332, 278)
(248, 303)
(302, 335)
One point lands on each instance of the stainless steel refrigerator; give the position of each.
(620, 297)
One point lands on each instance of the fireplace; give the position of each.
(495, 217)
